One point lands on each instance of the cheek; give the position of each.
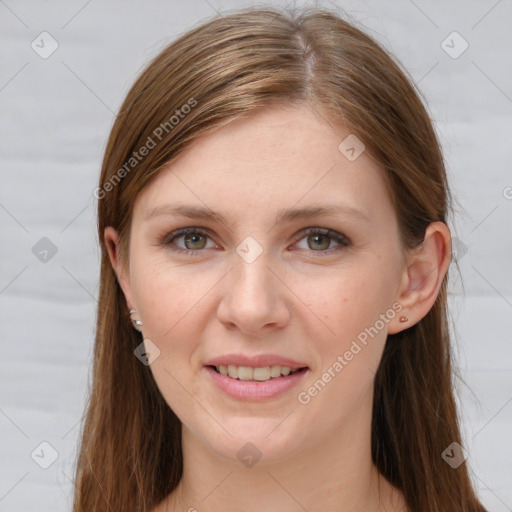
(352, 314)
(345, 303)
(166, 292)
(349, 350)
(169, 303)
(173, 317)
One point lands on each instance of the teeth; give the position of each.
(244, 373)
(261, 373)
(275, 371)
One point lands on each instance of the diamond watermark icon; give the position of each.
(146, 352)
(44, 455)
(44, 250)
(249, 455)
(454, 455)
(454, 45)
(351, 147)
(249, 249)
(459, 249)
(44, 45)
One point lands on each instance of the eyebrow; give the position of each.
(285, 215)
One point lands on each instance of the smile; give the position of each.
(255, 384)
(261, 373)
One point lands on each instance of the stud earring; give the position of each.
(403, 319)
(136, 322)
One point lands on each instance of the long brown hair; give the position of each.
(130, 456)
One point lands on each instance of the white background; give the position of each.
(55, 117)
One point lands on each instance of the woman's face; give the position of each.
(264, 284)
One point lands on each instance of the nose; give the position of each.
(255, 300)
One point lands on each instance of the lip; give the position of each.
(255, 361)
(253, 390)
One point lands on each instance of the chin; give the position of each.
(258, 444)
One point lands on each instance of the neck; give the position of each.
(336, 474)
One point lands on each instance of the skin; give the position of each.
(293, 300)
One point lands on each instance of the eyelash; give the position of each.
(338, 237)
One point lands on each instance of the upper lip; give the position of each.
(255, 361)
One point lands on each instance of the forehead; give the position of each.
(268, 160)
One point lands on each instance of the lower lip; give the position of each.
(255, 390)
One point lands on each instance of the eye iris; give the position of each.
(317, 237)
(321, 241)
(193, 237)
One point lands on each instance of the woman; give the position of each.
(272, 329)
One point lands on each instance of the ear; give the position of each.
(112, 242)
(423, 276)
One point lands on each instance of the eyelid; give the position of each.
(171, 237)
(340, 238)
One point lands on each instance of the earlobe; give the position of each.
(426, 268)
(111, 238)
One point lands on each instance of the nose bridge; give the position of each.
(251, 282)
(251, 273)
(252, 297)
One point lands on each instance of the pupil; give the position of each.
(317, 237)
(193, 238)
